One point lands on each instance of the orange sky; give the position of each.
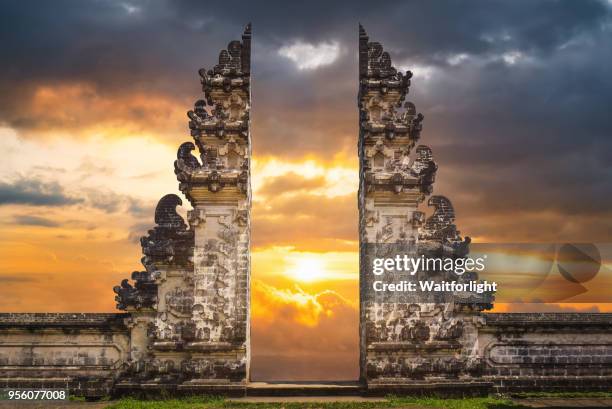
(98, 185)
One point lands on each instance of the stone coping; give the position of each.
(518, 318)
(548, 318)
(62, 319)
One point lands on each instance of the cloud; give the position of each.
(130, 8)
(113, 202)
(274, 176)
(301, 335)
(37, 192)
(306, 222)
(308, 56)
(290, 182)
(31, 220)
(420, 72)
(76, 108)
(34, 192)
(512, 57)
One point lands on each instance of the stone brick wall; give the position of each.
(547, 351)
(80, 352)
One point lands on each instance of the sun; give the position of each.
(306, 268)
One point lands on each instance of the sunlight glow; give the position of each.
(307, 268)
(340, 177)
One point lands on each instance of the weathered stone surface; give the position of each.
(170, 242)
(193, 331)
(81, 352)
(547, 351)
(403, 340)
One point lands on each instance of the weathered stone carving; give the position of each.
(219, 191)
(180, 301)
(142, 295)
(404, 339)
(170, 242)
(425, 168)
(190, 306)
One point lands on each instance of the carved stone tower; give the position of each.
(190, 308)
(406, 344)
(220, 192)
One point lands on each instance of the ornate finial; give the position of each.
(142, 295)
(125, 293)
(165, 212)
(362, 32)
(246, 50)
(247, 31)
(170, 242)
(440, 225)
(184, 154)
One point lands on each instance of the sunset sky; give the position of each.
(93, 99)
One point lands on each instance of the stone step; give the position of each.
(348, 388)
(305, 399)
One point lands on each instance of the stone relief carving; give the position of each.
(142, 295)
(180, 301)
(170, 242)
(391, 188)
(193, 296)
(440, 225)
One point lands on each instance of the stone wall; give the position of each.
(84, 353)
(547, 351)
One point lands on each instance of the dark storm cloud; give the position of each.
(516, 94)
(35, 192)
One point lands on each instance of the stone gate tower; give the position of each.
(406, 344)
(190, 308)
